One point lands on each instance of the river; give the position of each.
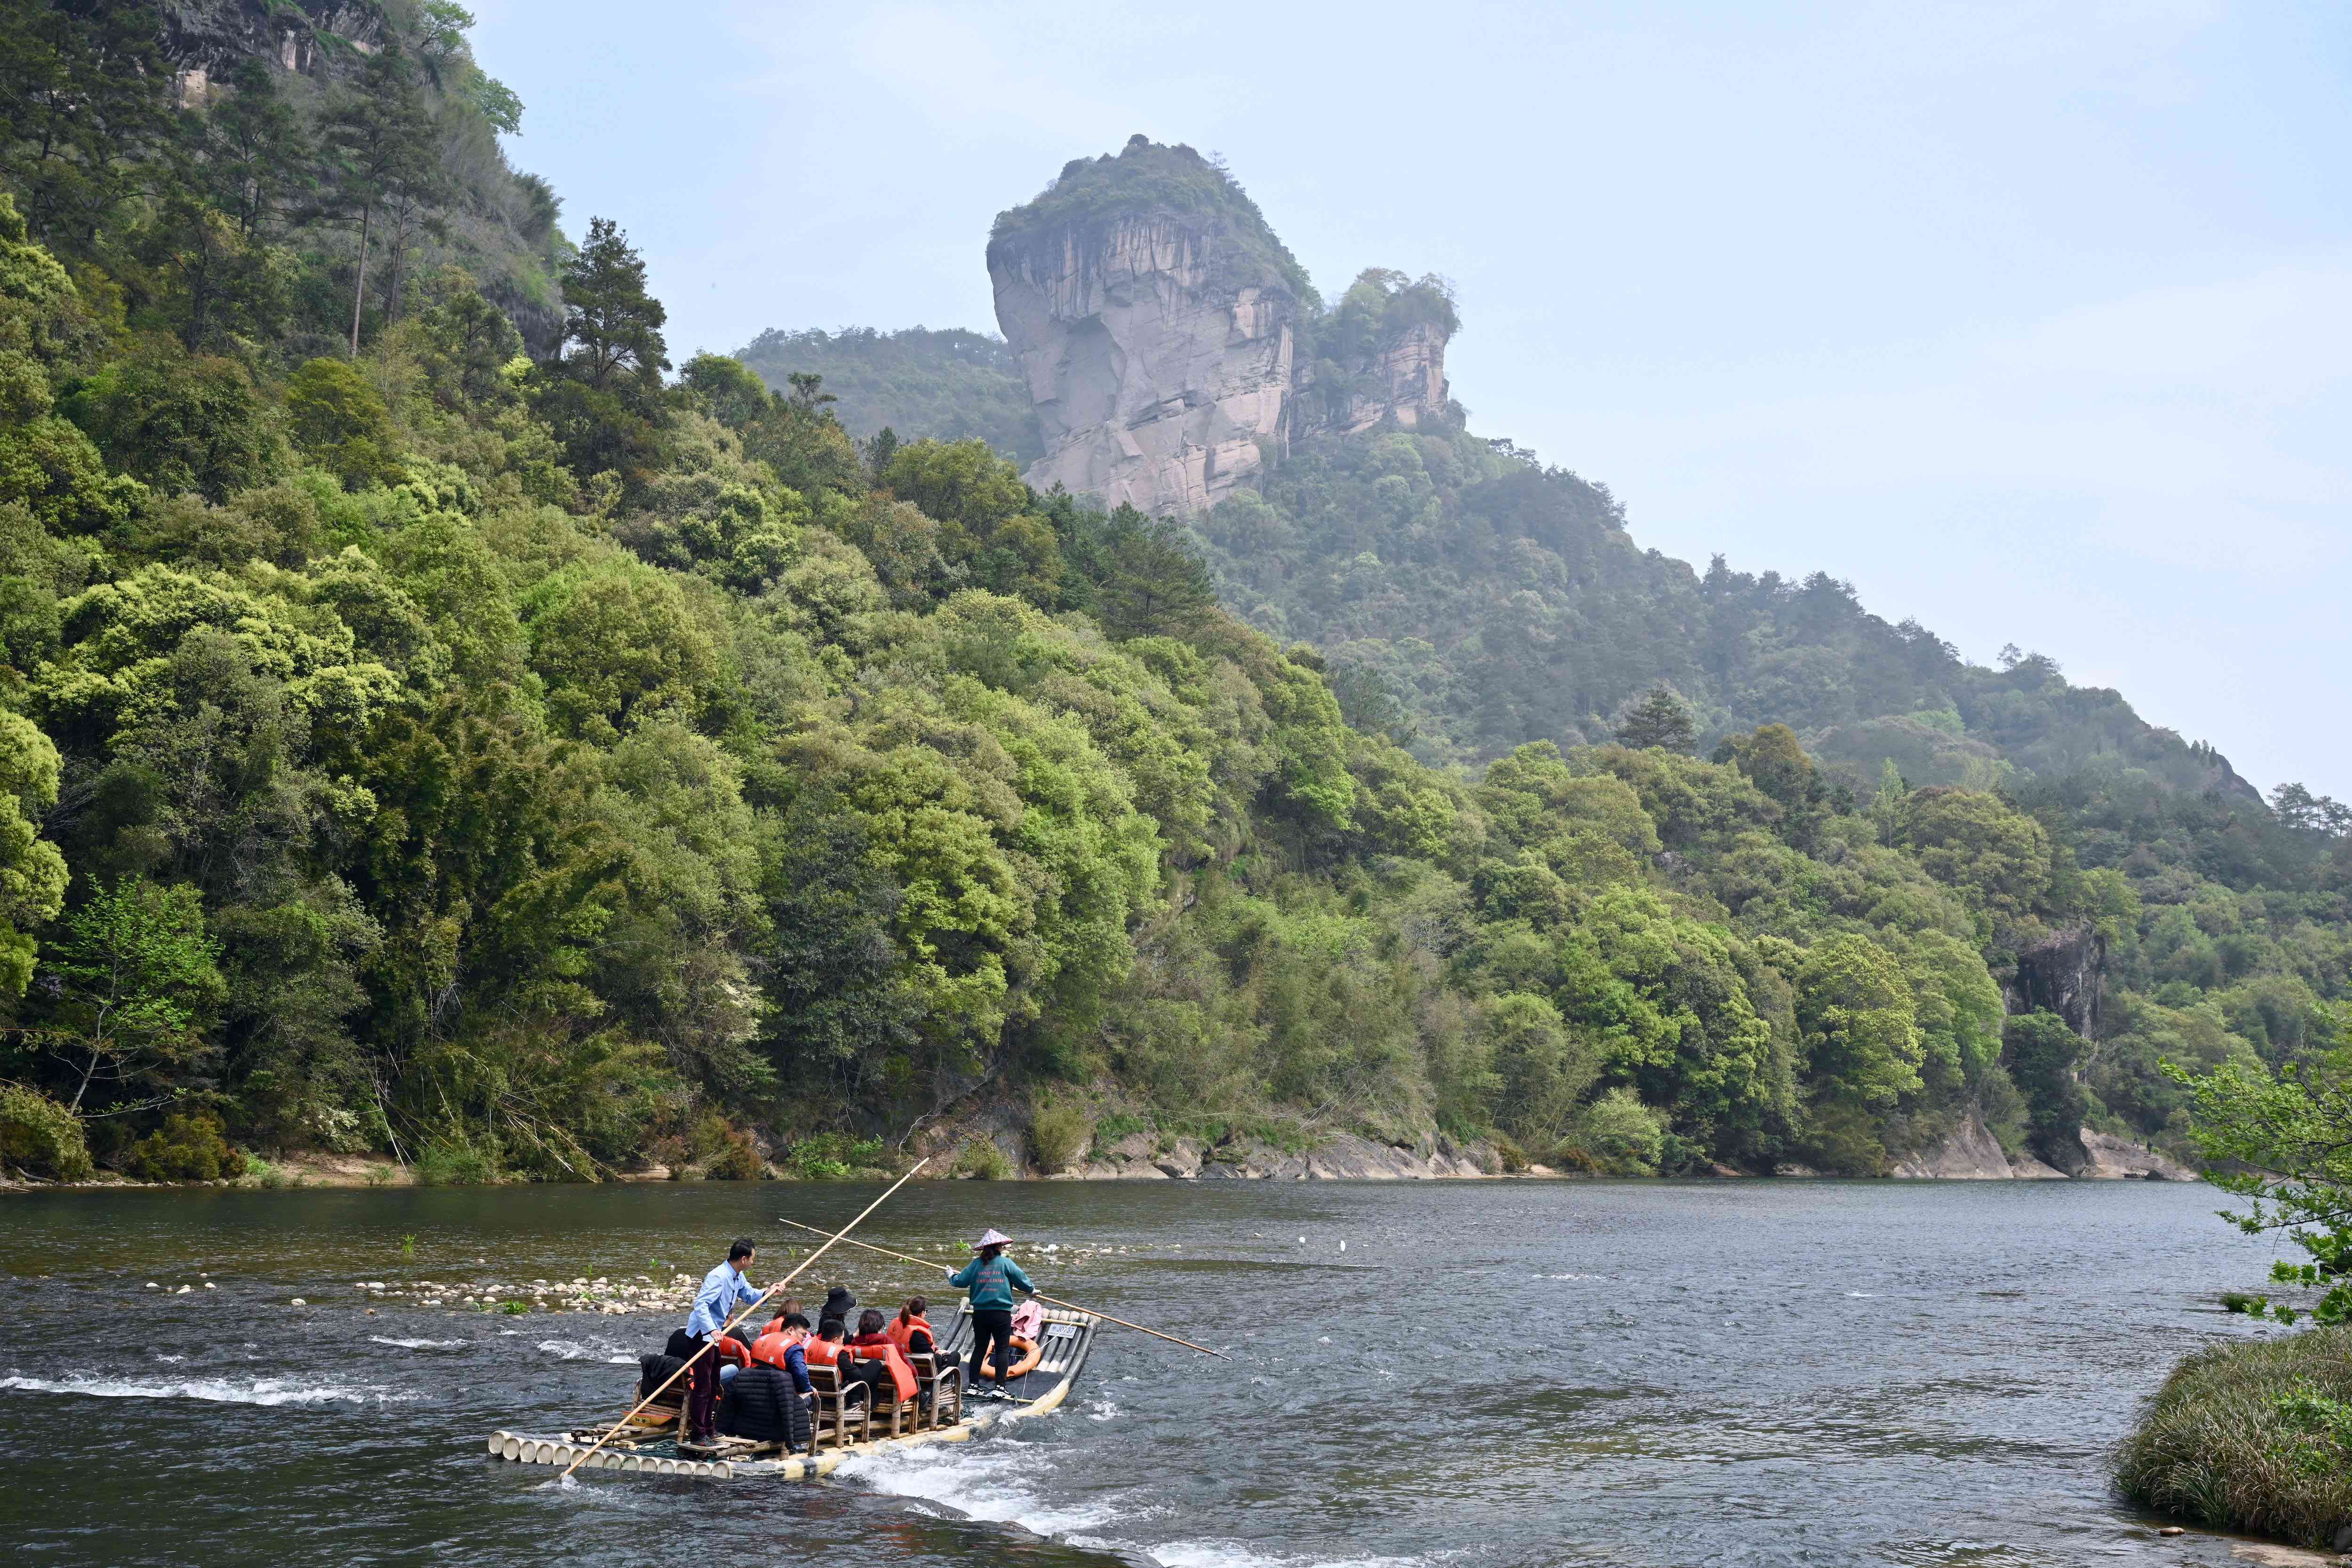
(1477, 1374)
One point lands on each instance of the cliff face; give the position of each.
(2060, 974)
(1157, 323)
(1157, 362)
(501, 226)
(1404, 379)
(207, 39)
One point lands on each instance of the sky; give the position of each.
(2033, 320)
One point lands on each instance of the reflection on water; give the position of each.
(1493, 1373)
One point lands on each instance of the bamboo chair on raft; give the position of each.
(842, 1413)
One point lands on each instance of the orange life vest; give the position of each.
(822, 1352)
(770, 1348)
(878, 1347)
(901, 1333)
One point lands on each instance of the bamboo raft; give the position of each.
(650, 1446)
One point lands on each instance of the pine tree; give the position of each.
(379, 142)
(1660, 719)
(607, 312)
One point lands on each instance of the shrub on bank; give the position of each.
(1059, 1134)
(2252, 1435)
(39, 1136)
(981, 1160)
(191, 1147)
(452, 1163)
(831, 1156)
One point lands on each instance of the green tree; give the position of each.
(256, 153)
(377, 134)
(728, 389)
(1542, 1069)
(2285, 1144)
(340, 419)
(2041, 1054)
(1998, 858)
(83, 93)
(612, 325)
(136, 977)
(1860, 1022)
(470, 343)
(32, 872)
(617, 642)
(1660, 719)
(1150, 582)
(181, 423)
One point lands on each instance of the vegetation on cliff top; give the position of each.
(1145, 178)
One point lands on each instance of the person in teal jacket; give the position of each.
(991, 1278)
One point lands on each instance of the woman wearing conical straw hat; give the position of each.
(991, 1278)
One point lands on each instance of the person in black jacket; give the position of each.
(767, 1401)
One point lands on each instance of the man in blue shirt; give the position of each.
(724, 1289)
(991, 1278)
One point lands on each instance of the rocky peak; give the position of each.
(1161, 326)
(1381, 355)
(207, 39)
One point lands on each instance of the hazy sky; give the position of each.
(2033, 320)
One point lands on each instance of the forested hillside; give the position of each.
(916, 384)
(516, 758)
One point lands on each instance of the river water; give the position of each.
(1477, 1374)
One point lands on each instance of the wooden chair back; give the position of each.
(842, 1412)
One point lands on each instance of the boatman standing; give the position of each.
(724, 1289)
(991, 1278)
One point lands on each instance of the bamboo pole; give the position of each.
(1049, 1301)
(712, 1343)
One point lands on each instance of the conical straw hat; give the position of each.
(991, 1238)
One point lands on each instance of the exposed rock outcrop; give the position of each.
(1403, 380)
(2060, 974)
(207, 39)
(1341, 1158)
(2113, 1158)
(1968, 1153)
(1158, 321)
(1159, 360)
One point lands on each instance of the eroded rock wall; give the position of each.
(1161, 372)
(2060, 974)
(207, 39)
(1163, 362)
(1404, 381)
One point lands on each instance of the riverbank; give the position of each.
(994, 1148)
(2253, 1436)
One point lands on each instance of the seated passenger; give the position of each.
(734, 1349)
(911, 1332)
(872, 1344)
(827, 1349)
(769, 1401)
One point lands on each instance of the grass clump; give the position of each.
(981, 1160)
(453, 1163)
(2253, 1436)
(831, 1156)
(1059, 1134)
